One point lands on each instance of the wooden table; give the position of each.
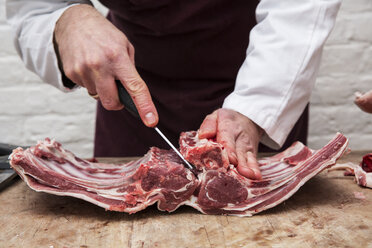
(323, 213)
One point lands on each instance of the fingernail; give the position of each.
(150, 118)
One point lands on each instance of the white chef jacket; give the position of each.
(274, 83)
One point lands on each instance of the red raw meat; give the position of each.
(362, 172)
(159, 177)
(204, 154)
(366, 163)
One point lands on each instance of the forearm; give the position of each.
(275, 81)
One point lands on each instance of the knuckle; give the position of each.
(112, 54)
(91, 88)
(94, 63)
(135, 86)
(249, 148)
(123, 40)
(110, 104)
(71, 73)
(226, 144)
(78, 69)
(210, 117)
(144, 106)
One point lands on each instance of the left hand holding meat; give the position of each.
(239, 135)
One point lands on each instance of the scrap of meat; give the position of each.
(364, 101)
(362, 172)
(359, 195)
(366, 163)
(159, 177)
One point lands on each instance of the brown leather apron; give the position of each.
(188, 52)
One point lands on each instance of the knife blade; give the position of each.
(128, 103)
(4, 162)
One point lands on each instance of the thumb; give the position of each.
(208, 128)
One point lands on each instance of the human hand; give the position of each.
(94, 53)
(240, 137)
(364, 101)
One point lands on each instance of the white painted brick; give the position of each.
(67, 129)
(14, 74)
(2, 12)
(63, 129)
(361, 26)
(358, 142)
(342, 59)
(355, 6)
(73, 103)
(318, 141)
(22, 101)
(343, 118)
(6, 47)
(44, 99)
(330, 91)
(320, 123)
(342, 32)
(366, 60)
(11, 129)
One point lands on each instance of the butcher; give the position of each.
(239, 71)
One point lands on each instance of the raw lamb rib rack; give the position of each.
(159, 177)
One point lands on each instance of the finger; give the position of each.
(242, 147)
(208, 128)
(227, 139)
(139, 92)
(250, 168)
(108, 93)
(364, 101)
(131, 53)
(74, 73)
(242, 167)
(91, 87)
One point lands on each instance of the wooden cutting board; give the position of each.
(323, 213)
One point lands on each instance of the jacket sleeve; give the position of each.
(274, 84)
(33, 23)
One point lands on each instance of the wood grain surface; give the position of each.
(323, 213)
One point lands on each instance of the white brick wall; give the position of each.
(31, 110)
(346, 67)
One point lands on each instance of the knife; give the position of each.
(4, 162)
(7, 174)
(128, 103)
